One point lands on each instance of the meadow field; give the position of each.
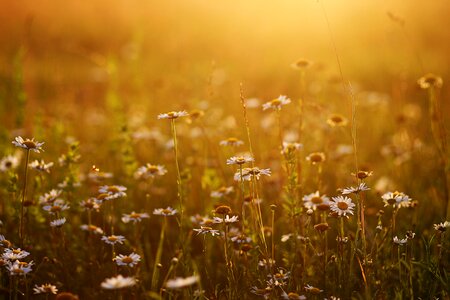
(253, 149)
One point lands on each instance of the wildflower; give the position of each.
(223, 191)
(150, 171)
(46, 288)
(291, 147)
(241, 239)
(14, 254)
(396, 199)
(265, 292)
(206, 230)
(113, 191)
(313, 290)
(316, 157)
(315, 200)
(9, 162)
(321, 227)
(410, 235)
(232, 141)
(226, 220)
(56, 207)
(169, 211)
(113, 239)
(222, 210)
(41, 166)
(118, 282)
(249, 173)
(266, 263)
(4, 242)
(355, 190)
(302, 64)
(90, 204)
(135, 217)
(92, 228)
(49, 197)
(239, 160)
(292, 296)
(400, 242)
(179, 282)
(28, 144)
(19, 268)
(430, 80)
(173, 115)
(442, 227)
(58, 222)
(127, 260)
(342, 205)
(277, 103)
(362, 174)
(336, 120)
(286, 237)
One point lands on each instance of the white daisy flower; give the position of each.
(14, 254)
(226, 220)
(113, 239)
(313, 290)
(118, 282)
(134, 217)
(173, 115)
(46, 288)
(9, 162)
(113, 191)
(127, 260)
(292, 296)
(28, 144)
(232, 141)
(58, 222)
(41, 166)
(396, 199)
(239, 160)
(179, 282)
(169, 211)
(223, 191)
(91, 228)
(206, 230)
(291, 147)
(90, 204)
(315, 200)
(249, 173)
(355, 190)
(49, 197)
(400, 242)
(342, 205)
(442, 227)
(56, 207)
(150, 171)
(19, 268)
(276, 103)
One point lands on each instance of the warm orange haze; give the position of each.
(224, 149)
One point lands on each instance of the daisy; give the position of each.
(180, 282)
(56, 207)
(150, 171)
(205, 230)
(19, 268)
(249, 173)
(127, 260)
(135, 217)
(302, 64)
(4, 242)
(49, 197)
(430, 80)
(226, 220)
(9, 162)
(169, 211)
(362, 174)
(113, 191)
(264, 292)
(241, 239)
(276, 103)
(90, 204)
(58, 222)
(396, 199)
(313, 290)
(315, 200)
(336, 120)
(14, 254)
(223, 191)
(239, 160)
(113, 239)
(400, 242)
(41, 166)
(291, 147)
(173, 115)
(46, 288)
(316, 157)
(342, 205)
(232, 141)
(28, 144)
(355, 190)
(442, 227)
(91, 228)
(292, 296)
(118, 282)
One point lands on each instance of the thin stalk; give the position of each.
(155, 275)
(21, 234)
(179, 187)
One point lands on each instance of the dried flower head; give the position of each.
(302, 64)
(336, 120)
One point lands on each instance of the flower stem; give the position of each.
(21, 233)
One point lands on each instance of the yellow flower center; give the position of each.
(127, 259)
(30, 144)
(342, 205)
(316, 200)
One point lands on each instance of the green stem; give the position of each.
(21, 233)
(155, 275)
